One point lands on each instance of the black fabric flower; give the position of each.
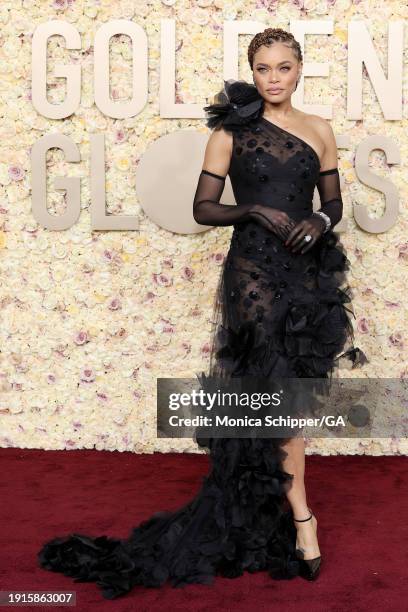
(238, 104)
(102, 560)
(243, 350)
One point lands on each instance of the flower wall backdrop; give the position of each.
(89, 320)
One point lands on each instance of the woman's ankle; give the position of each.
(301, 513)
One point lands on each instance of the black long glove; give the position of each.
(328, 186)
(207, 209)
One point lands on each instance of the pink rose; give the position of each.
(162, 280)
(205, 349)
(81, 338)
(114, 304)
(60, 5)
(16, 173)
(362, 325)
(87, 375)
(187, 273)
(218, 258)
(120, 135)
(403, 251)
(396, 340)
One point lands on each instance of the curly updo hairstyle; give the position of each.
(268, 37)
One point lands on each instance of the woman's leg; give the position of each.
(294, 463)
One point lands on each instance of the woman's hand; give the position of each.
(276, 221)
(313, 225)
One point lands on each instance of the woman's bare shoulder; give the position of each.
(321, 125)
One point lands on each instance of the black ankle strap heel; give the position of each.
(308, 568)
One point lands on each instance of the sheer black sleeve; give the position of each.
(206, 207)
(328, 186)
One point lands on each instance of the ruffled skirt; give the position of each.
(275, 314)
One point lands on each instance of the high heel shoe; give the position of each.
(309, 568)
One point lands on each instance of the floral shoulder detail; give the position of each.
(238, 104)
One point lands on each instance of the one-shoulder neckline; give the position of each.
(293, 136)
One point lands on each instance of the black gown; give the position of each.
(276, 313)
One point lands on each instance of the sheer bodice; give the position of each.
(274, 168)
(270, 167)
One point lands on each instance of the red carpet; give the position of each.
(361, 504)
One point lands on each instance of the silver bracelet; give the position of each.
(326, 219)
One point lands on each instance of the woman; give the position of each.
(279, 311)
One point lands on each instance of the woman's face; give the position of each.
(275, 71)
